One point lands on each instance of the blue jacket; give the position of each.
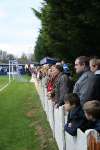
(66, 68)
(76, 119)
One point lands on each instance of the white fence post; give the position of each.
(59, 127)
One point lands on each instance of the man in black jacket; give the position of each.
(95, 68)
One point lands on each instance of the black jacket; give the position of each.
(95, 95)
(76, 119)
(95, 125)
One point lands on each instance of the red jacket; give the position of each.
(49, 86)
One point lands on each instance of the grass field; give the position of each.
(3, 80)
(23, 124)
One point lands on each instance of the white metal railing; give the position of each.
(57, 120)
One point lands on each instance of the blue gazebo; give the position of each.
(48, 60)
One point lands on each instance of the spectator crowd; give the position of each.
(81, 98)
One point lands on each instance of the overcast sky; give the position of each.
(19, 27)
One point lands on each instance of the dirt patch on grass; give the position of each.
(32, 112)
(42, 135)
(39, 131)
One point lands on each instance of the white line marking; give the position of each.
(4, 87)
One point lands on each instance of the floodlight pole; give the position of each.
(13, 70)
(9, 72)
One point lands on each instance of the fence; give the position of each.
(90, 140)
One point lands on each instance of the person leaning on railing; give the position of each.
(76, 118)
(92, 113)
(85, 83)
(61, 85)
(95, 68)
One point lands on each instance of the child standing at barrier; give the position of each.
(92, 113)
(76, 117)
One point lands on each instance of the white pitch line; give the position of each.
(4, 87)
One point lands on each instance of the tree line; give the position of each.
(69, 28)
(23, 59)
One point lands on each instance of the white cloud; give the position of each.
(24, 33)
(17, 50)
(19, 28)
(3, 13)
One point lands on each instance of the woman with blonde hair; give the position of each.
(95, 65)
